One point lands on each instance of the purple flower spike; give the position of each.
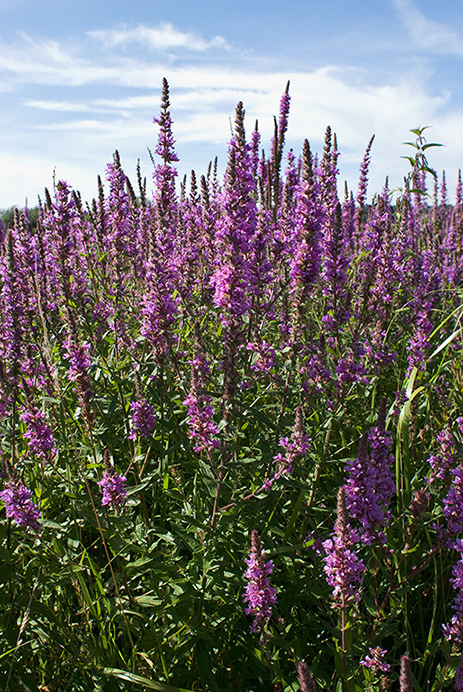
(453, 630)
(375, 660)
(405, 680)
(343, 567)
(20, 507)
(369, 482)
(113, 489)
(259, 594)
(294, 449)
(39, 437)
(306, 680)
(458, 680)
(142, 418)
(453, 505)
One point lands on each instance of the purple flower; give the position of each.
(343, 567)
(201, 426)
(39, 437)
(166, 203)
(446, 457)
(375, 660)
(259, 594)
(265, 358)
(78, 355)
(418, 343)
(113, 490)
(306, 680)
(369, 483)
(158, 309)
(305, 262)
(453, 504)
(142, 419)
(453, 630)
(233, 280)
(458, 680)
(20, 507)
(294, 448)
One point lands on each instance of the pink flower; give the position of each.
(259, 594)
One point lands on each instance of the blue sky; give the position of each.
(79, 80)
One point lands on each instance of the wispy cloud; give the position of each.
(426, 33)
(65, 118)
(57, 106)
(163, 37)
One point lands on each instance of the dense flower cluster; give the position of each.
(453, 630)
(375, 660)
(453, 504)
(201, 426)
(369, 483)
(143, 419)
(259, 594)
(343, 567)
(113, 489)
(38, 434)
(20, 507)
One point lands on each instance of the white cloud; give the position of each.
(163, 37)
(57, 106)
(203, 98)
(426, 33)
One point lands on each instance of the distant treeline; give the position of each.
(7, 216)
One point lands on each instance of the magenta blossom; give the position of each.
(113, 490)
(375, 660)
(259, 594)
(20, 507)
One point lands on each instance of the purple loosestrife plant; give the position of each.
(453, 506)
(19, 505)
(259, 594)
(294, 449)
(190, 246)
(375, 660)
(112, 485)
(38, 434)
(334, 275)
(201, 426)
(64, 252)
(233, 276)
(142, 418)
(113, 490)
(405, 680)
(327, 173)
(369, 483)
(446, 458)
(265, 356)
(305, 264)
(453, 630)
(306, 681)
(165, 200)
(158, 310)
(458, 679)
(343, 567)
(276, 150)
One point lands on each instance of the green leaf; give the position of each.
(140, 680)
(205, 664)
(430, 144)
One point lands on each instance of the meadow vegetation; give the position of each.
(232, 428)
